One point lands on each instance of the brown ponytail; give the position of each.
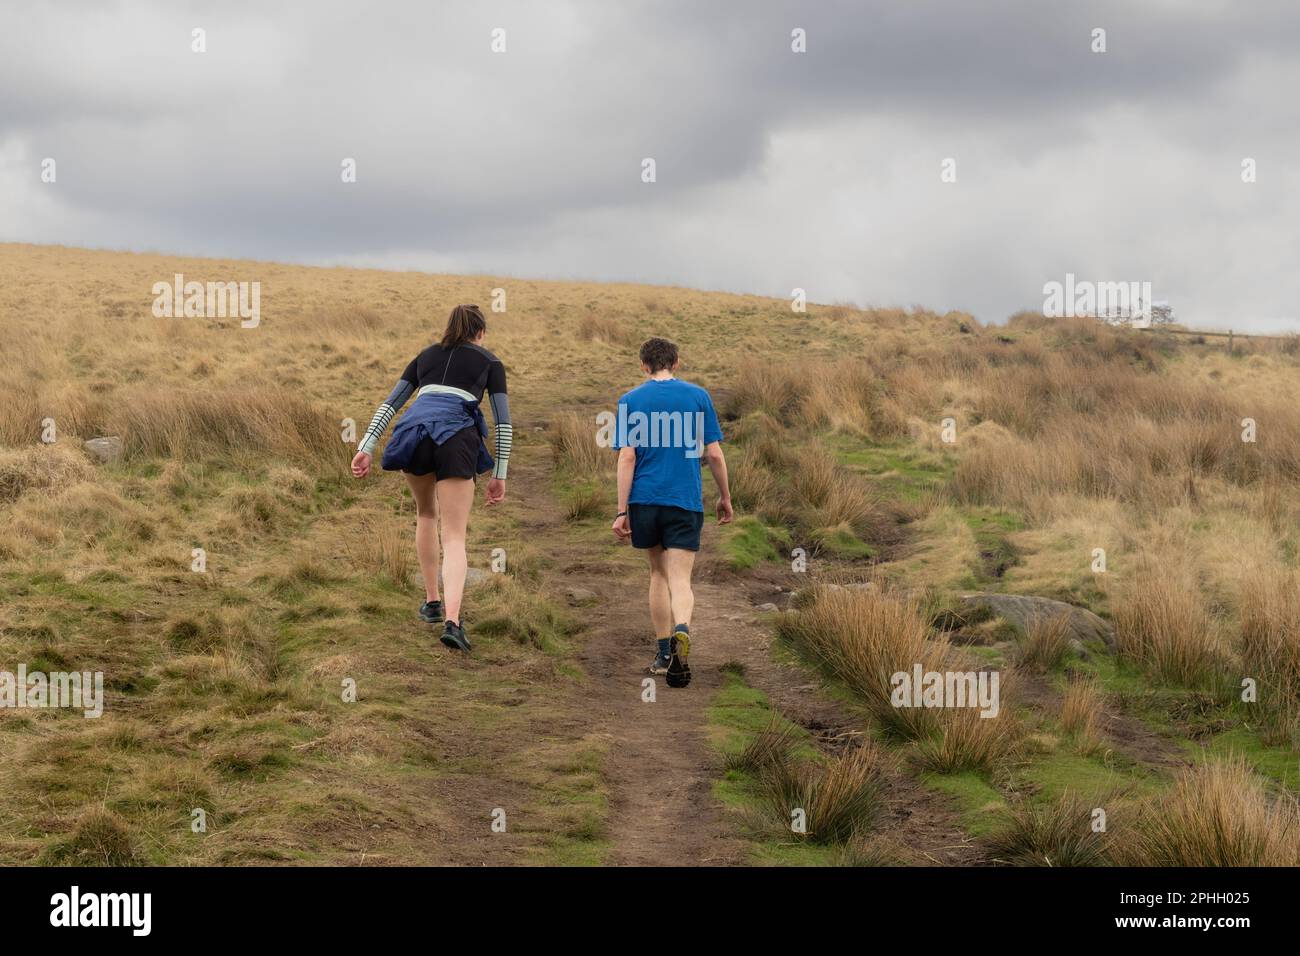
(463, 325)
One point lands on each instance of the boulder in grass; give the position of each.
(581, 596)
(104, 450)
(1021, 610)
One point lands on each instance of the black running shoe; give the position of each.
(679, 673)
(453, 635)
(431, 612)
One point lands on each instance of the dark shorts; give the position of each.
(457, 457)
(665, 525)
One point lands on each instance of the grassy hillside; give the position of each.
(225, 687)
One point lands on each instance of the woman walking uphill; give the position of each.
(439, 446)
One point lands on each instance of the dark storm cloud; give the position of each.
(774, 169)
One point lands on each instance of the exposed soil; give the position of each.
(661, 768)
(1127, 734)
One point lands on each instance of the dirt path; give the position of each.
(661, 768)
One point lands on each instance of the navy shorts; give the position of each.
(457, 457)
(665, 525)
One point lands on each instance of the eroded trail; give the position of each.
(661, 767)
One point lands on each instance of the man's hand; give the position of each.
(361, 464)
(496, 491)
(725, 514)
(621, 531)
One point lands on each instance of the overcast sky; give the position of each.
(775, 169)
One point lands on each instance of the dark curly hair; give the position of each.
(658, 354)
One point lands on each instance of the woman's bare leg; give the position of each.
(426, 531)
(455, 498)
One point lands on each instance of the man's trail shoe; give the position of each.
(431, 612)
(679, 674)
(453, 635)
(660, 666)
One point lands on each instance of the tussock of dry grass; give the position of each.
(774, 744)
(1162, 624)
(864, 637)
(1081, 712)
(381, 548)
(1270, 647)
(967, 741)
(1217, 814)
(43, 467)
(753, 486)
(609, 330)
(100, 837)
(1046, 645)
(841, 800)
(1058, 833)
(835, 496)
(574, 449)
(262, 421)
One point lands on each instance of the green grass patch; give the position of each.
(979, 803)
(749, 542)
(1278, 764)
(736, 715)
(1052, 775)
(841, 542)
(898, 470)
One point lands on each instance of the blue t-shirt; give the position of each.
(668, 422)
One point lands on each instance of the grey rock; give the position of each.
(105, 450)
(1021, 610)
(767, 608)
(581, 595)
(804, 596)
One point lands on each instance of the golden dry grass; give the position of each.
(1270, 647)
(1081, 712)
(1162, 623)
(839, 801)
(866, 636)
(225, 684)
(1217, 814)
(1046, 645)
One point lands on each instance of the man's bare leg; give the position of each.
(678, 564)
(661, 615)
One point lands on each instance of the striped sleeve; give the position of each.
(504, 432)
(385, 414)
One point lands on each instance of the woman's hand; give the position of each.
(361, 464)
(496, 491)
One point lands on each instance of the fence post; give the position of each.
(1229, 341)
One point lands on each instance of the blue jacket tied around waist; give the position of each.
(437, 416)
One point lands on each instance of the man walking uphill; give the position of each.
(665, 427)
